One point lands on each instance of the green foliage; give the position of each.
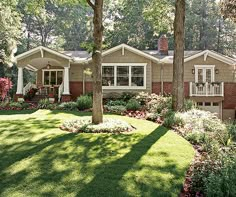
(116, 102)
(231, 127)
(222, 183)
(171, 120)
(133, 105)
(25, 105)
(10, 32)
(84, 102)
(214, 175)
(117, 109)
(126, 96)
(85, 125)
(189, 104)
(15, 105)
(70, 106)
(44, 103)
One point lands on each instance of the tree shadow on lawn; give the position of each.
(16, 112)
(87, 165)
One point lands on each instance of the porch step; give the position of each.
(37, 98)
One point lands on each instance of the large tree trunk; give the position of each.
(178, 67)
(97, 61)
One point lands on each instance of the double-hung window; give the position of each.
(124, 75)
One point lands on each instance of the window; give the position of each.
(120, 76)
(52, 77)
(199, 104)
(207, 104)
(215, 104)
(108, 76)
(204, 73)
(137, 76)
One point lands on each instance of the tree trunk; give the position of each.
(97, 61)
(178, 66)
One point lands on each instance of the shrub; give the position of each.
(215, 175)
(70, 106)
(126, 96)
(44, 103)
(133, 105)
(172, 119)
(153, 116)
(52, 106)
(15, 105)
(25, 105)
(116, 103)
(118, 109)
(223, 182)
(231, 127)
(158, 103)
(85, 125)
(84, 102)
(189, 104)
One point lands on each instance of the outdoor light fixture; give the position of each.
(48, 65)
(217, 71)
(193, 71)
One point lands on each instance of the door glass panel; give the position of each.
(53, 78)
(122, 76)
(46, 78)
(59, 77)
(200, 75)
(208, 75)
(108, 76)
(137, 74)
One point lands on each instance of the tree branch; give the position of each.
(91, 4)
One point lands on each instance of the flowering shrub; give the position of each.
(5, 86)
(85, 125)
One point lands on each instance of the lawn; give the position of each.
(38, 159)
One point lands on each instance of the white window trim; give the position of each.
(126, 87)
(212, 67)
(43, 70)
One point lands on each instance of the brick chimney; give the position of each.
(163, 45)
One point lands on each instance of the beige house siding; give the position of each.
(76, 72)
(60, 61)
(226, 72)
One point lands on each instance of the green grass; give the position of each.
(38, 159)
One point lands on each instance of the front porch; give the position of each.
(52, 74)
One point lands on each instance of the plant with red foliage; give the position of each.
(5, 86)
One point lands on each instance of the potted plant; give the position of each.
(51, 98)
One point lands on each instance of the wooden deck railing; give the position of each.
(206, 89)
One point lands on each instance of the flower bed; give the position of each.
(84, 125)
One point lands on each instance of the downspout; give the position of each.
(83, 79)
(161, 77)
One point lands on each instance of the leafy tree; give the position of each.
(228, 9)
(178, 66)
(130, 26)
(10, 32)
